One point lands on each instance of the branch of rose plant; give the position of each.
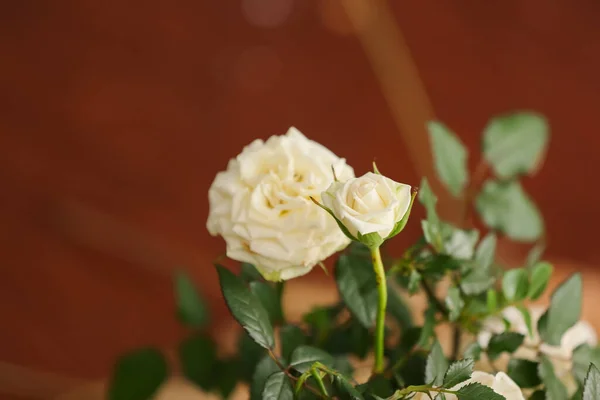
(381, 306)
(292, 377)
(433, 298)
(399, 394)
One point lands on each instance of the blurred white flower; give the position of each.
(261, 205)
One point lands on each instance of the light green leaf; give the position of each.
(436, 367)
(450, 157)
(564, 310)
(427, 331)
(539, 277)
(524, 372)
(413, 281)
(555, 390)
(515, 144)
(138, 375)
(484, 255)
(473, 351)
(246, 308)
(397, 308)
(454, 303)
(305, 356)
(506, 207)
(459, 371)
(264, 369)
(491, 300)
(477, 281)
(190, 308)
(291, 338)
(504, 342)
(198, 358)
(278, 387)
(371, 240)
(535, 254)
(269, 299)
(477, 391)
(527, 319)
(591, 387)
(357, 285)
(428, 199)
(461, 243)
(515, 284)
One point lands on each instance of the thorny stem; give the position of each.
(292, 377)
(382, 303)
(433, 298)
(418, 388)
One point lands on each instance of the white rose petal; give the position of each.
(500, 383)
(261, 205)
(370, 204)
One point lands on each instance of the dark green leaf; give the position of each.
(226, 372)
(378, 385)
(504, 342)
(269, 299)
(305, 356)
(477, 391)
(515, 284)
(190, 307)
(397, 308)
(540, 276)
(591, 386)
(198, 358)
(345, 390)
(264, 369)
(278, 387)
(473, 351)
(427, 331)
(506, 207)
(138, 375)
(348, 339)
(250, 354)
(538, 395)
(459, 371)
(291, 337)
(358, 288)
(555, 390)
(414, 281)
(342, 365)
(515, 144)
(437, 364)
(249, 273)
(564, 310)
(450, 157)
(524, 372)
(454, 303)
(246, 308)
(412, 371)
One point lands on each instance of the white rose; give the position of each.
(370, 204)
(261, 205)
(560, 356)
(500, 383)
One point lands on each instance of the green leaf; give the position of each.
(450, 157)
(250, 354)
(504, 342)
(278, 387)
(413, 281)
(291, 337)
(460, 244)
(473, 351)
(428, 199)
(484, 255)
(477, 391)
(249, 273)
(538, 395)
(345, 390)
(437, 364)
(454, 303)
(527, 319)
(378, 385)
(535, 254)
(477, 281)
(555, 390)
(269, 299)
(583, 355)
(459, 371)
(198, 358)
(514, 144)
(515, 284)
(564, 310)
(305, 356)
(591, 386)
(357, 284)
(190, 308)
(427, 331)
(138, 375)
(506, 207)
(398, 309)
(246, 308)
(227, 376)
(371, 240)
(491, 300)
(264, 369)
(524, 372)
(540, 276)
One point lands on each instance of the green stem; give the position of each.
(420, 388)
(317, 375)
(380, 324)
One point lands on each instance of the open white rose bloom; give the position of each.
(500, 383)
(560, 356)
(370, 204)
(261, 205)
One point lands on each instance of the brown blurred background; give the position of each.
(115, 117)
